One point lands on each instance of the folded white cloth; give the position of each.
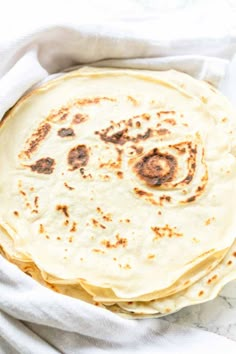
(33, 319)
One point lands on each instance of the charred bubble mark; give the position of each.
(156, 168)
(122, 137)
(78, 157)
(79, 118)
(66, 132)
(63, 209)
(34, 141)
(44, 166)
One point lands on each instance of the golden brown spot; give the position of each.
(170, 121)
(229, 262)
(98, 224)
(66, 222)
(44, 165)
(66, 132)
(214, 277)
(70, 239)
(138, 149)
(130, 302)
(201, 293)
(47, 237)
(107, 217)
(120, 242)
(16, 213)
(159, 212)
(34, 211)
(120, 174)
(37, 137)
(133, 100)
(234, 254)
(68, 187)
(36, 202)
(163, 131)
(187, 282)
(167, 310)
(97, 250)
(23, 193)
(151, 256)
(138, 124)
(41, 229)
(142, 193)
(99, 210)
(156, 168)
(78, 157)
(31, 189)
(58, 116)
(79, 118)
(224, 120)
(204, 99)
(114, 259)
(58, 238)
(64, 209)
(95, 100)
(73, 228)
(165, 231)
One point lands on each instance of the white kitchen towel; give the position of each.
(33, 319)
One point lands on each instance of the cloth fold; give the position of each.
(34, 319)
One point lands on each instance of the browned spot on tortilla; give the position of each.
(66, 132)
(94, 100)
(156, 168)
(73, 227)
(36, 138)
(45, 166)
(64, 209)
(36, 201)
(79, 118)
(201, 293)
(151, 256)
(58, 238)
(141, 193)
(107, 217)
(59, 116)
(16, 213)
(97, 250)
(234, 254)
(120, 174)
(34, 211)
(163, 131)
(229, 262)
(23, 193)
(121, 241)
(68, 187)
(165, 231)
(138, 124)
(97, 224)
(47, 237)
(159, 212)
(41, 229)
(66, 222)
(78, 157)
(164, 112)
(170, 121)
(133, 100)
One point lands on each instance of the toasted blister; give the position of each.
(122, 182)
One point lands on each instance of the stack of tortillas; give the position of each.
(118, 187)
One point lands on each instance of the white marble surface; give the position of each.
(218, 316)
